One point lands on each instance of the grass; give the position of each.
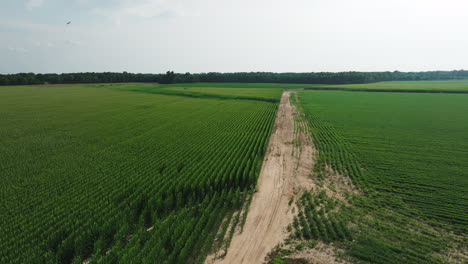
(88, 169)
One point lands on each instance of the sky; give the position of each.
(153, 36)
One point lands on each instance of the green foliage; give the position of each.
(277, 260)
(122, 177)
(279, 256)
(236, 77)
(167, 78)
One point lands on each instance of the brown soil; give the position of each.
(320, 254)
(269, 213)
(336, 185)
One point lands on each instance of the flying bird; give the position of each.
(69, 22)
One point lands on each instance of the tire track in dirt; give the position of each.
(269, 213)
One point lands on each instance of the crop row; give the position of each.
(317, 219)
(361, 135)
(133, 184)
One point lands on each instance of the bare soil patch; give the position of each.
(269, 213)
(320, 254)
(286, 173)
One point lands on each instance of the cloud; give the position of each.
(74, 43)
(29, 26)
(82, 2)
(59, 28)
(142, 9)
(43, 44)
(17, 49)
(30, 4)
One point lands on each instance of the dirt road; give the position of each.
(269, 213)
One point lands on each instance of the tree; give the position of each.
(168, 78)
(241, 77)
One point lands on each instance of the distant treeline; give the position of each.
(242, 77)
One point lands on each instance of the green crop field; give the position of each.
(221, 91)
(240, 85)
(101, 173)
(453, 86)
(415, 86)
(146, 173)
(408, 154)
(267, 93)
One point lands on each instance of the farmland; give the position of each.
(219, 91)
(408, 154)
(452, 86)
(112, 175)
(145, 173)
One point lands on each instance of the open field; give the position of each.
(450, 86)
(454, 86)
(282, 173)
(408, 154)
(240, 85)
(244, 93)
(113, 175)
(266, 93)
(119, 173)
(271, 92)
(412, 145)
(233, 132)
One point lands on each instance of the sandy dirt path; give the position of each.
(269, 213)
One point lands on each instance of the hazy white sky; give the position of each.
(232, 35)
